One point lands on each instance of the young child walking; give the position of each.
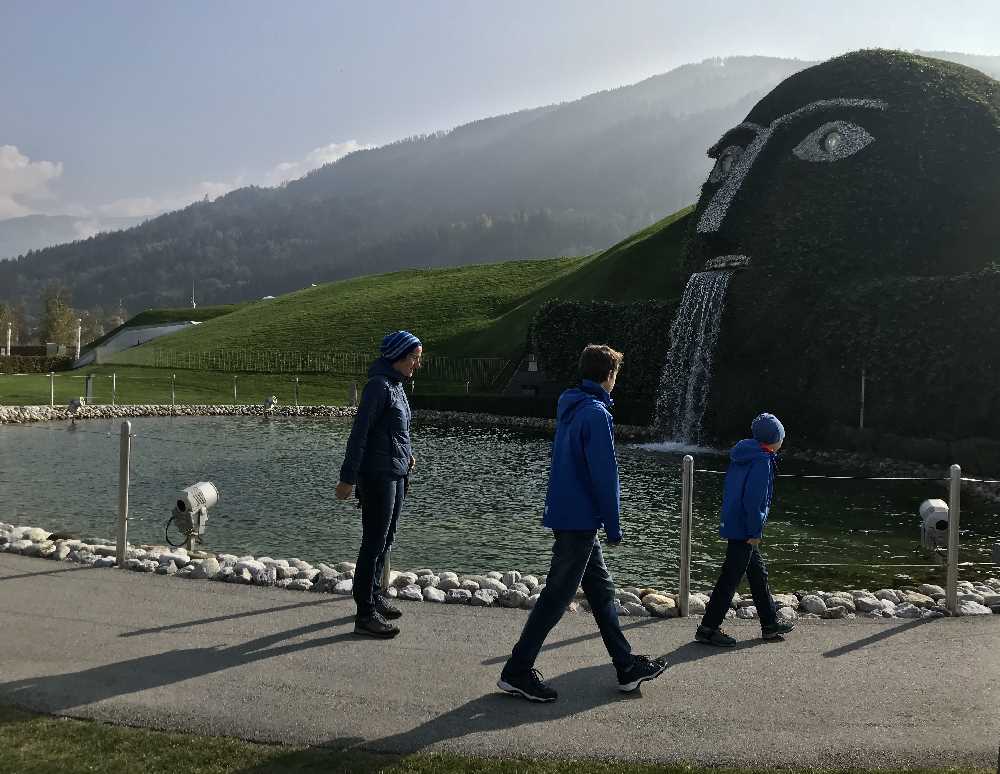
(746, 499)
(583, 497)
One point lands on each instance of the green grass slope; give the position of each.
(160, 316)
(469, 311)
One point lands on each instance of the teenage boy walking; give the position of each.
(746, 499)
(583, 497)
(378, 461)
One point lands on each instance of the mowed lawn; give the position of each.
(353, 315)
(40, 744)
(135, 385)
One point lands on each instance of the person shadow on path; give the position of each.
(56, 693)
(579, 691)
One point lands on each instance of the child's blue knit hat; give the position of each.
(397, 345)
(766, 428)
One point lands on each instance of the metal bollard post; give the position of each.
(114, 388)
(354, 394)
(234, 390)
(173, 392)
(52, 389)
(124, 456)
(687, 495)
(954, 511)
(296, 392)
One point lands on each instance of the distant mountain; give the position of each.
(565, 179)
(34, 232)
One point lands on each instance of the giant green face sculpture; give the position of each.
(874, 163)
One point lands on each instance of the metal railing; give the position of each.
(687, 522)
(480, 371)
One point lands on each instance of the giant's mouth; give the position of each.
(727, 262)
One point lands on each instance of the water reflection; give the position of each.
(475, 503)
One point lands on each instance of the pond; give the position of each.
(475, 502)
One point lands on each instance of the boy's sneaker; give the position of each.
(527, 684)
(375, 626)
(715, 637)
(776, 631)
(385, 608)
(643, 668)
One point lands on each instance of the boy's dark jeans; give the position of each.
(741, 559)
(381, 504)
(576, 561)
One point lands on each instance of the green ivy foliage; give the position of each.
(882, 260)
(561, 329)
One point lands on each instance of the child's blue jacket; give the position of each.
(747, 492)
(583, 482)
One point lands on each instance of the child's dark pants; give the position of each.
(741, 559)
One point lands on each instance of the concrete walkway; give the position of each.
(284, 666)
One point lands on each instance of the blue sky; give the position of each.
(116, 108)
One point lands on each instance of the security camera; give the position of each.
(190, 513)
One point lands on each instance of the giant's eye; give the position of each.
(833, 141)
(725, 163)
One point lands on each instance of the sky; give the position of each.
(129, 108)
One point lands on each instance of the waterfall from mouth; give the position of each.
(687, 373)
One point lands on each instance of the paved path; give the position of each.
(275, 665)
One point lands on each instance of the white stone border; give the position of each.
(510, 589)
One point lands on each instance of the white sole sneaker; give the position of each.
(629, 687)
(508, 688)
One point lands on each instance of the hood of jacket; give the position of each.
(576, 397)
(383, 367)
(748, 450)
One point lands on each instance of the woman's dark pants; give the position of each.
(741, 559)
(381, 504)
(576, 561)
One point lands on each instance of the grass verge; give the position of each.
(37, 744)
(140, 385)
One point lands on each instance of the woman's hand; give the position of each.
(413, 464)
(344, 490)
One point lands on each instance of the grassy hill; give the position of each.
(481, 310)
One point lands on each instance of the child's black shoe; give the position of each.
(776, 631)
(643, 668)
(527, 684)
(715, 637)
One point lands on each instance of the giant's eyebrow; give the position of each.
(812, 107)
(718, 206)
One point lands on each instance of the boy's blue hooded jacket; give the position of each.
(583, 483)
(747, 492)
(379, 445)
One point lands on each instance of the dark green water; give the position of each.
(475, 503)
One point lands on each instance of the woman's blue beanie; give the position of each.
(397, 345)
(766, 428)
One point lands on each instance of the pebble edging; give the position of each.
(510, 589)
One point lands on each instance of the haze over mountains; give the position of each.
(557, 180)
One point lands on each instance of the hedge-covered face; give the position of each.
(876, 162)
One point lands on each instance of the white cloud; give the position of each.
(23, 181)
(147, 206)
(316, 158)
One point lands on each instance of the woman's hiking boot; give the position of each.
(715, 637)
(776, 631)
(375, 626)
(385, 608)
(643, 668)
(527, 684)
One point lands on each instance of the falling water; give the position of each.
(687, 374)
